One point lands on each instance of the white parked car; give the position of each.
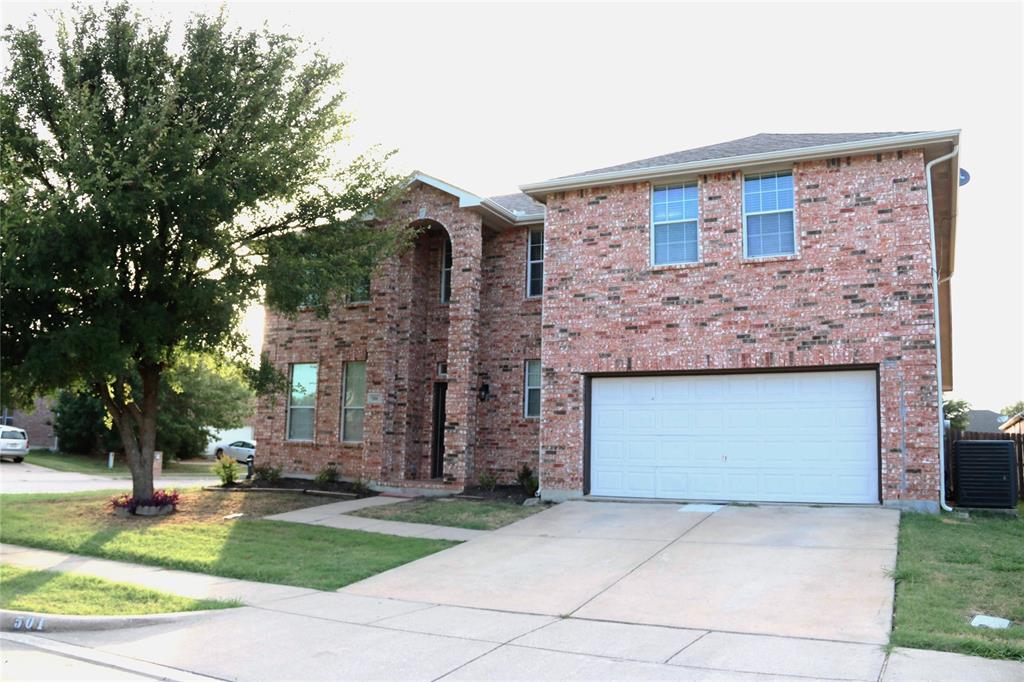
(13, 443)
(240, 450)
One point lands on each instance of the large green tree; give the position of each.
(198, 395)
(151, 193)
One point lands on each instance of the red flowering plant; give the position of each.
(160, 498)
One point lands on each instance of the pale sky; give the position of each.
(491, 96)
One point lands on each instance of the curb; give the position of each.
(134, 666)
(41, 623)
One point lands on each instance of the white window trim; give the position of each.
(344, 387)
(446, 245)
(530, 261)
(796, 226)
(527, 388)
(650, 208)
(289, 408)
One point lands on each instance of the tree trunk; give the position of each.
(142, 485)
(136, 423)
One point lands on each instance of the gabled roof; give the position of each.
(519, 203)
(984, 421)
(506, 209)
(746, 152)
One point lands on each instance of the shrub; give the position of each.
(487, 480)
(227, 470)
(328, 476)
(527, 480)
(79, 426)
(267, 473)
(160, 498)
(359, 487)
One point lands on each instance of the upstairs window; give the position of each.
(674, 224)
(769, 227)
(531, 381)
(353, 405)
(302, 401)
(361, 292)
(446, 271)
(535, 263)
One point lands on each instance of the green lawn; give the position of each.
(950, 569)
(53, 592)
(91, 464)
(198, 538)
(473, 514)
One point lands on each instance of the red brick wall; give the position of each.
(484, 334)
(857, 293)
(509, 335)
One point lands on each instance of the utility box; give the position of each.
(158, 463)
(986, 474)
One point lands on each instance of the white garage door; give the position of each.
(783, 437)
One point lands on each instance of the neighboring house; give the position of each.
(984, 421)
(37, 422)
(753, 320)
(1014, 425)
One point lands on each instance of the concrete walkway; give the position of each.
(338, 515)
(31, 478)
(347, 636)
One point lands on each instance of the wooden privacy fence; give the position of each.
(953, 436)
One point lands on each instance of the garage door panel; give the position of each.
(642, 453)
(672, 419)
(642, 390)
(708, 419)
(761, 437)
(609, 418)
(643, 419)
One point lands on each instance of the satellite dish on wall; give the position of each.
(965, 177)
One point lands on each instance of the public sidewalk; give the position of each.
(337, 515)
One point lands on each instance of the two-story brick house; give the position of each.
(753, 320)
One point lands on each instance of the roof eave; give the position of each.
(1011, 421)
(540, 190)
(483, 205)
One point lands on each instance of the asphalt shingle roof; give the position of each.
(518, 202)
(755, 144)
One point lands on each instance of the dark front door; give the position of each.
(437, 433)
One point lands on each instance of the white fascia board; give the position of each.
(538, 189)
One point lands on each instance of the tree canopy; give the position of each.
(198, 396)
(1013, 409)
(152, 192)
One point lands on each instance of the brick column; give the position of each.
(381, 359)
(463, 343)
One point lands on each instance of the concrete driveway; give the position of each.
(819, 573)
(30, 478)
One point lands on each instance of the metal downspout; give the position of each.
(938, 337)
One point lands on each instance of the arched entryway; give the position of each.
(427, 267)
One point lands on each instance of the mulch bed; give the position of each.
(305, 484)
(500, 493)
